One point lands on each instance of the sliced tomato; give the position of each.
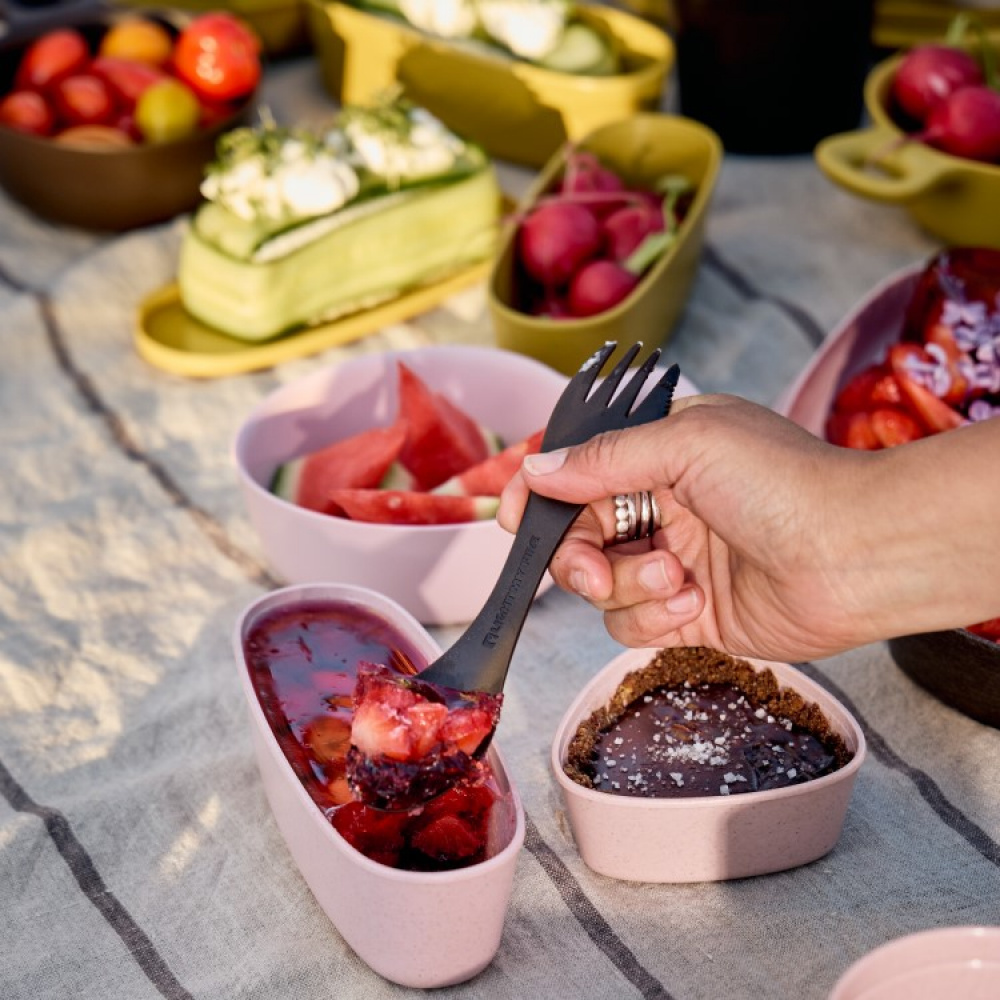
(933, 413)
(852, 430)
(894, 427)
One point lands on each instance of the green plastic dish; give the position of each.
(514, 110)
(641, 149)
(952, 198)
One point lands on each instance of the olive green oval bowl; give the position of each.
(515, 110)
(640, 149)
(952, 198)
(105, 188)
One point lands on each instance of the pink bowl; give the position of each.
(413, 928)
(860, 339)
(960, 962)
(705, 838)
(441, 574)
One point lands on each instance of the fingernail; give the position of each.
(682, 603)
(652, 576)
(544, 461)
(579, 582)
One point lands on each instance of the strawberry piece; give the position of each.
(412, 740)
(989, 629)
(376, 834)
(894, 427)
(448, 838)
(467, 728)
(857, 393)
(379, 731)
(933, 413)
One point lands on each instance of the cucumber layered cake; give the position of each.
(300, 227)
(547, 33)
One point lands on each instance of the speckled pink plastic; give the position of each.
(441, 574)
(946, 962)
(419, 929)
(711, 838)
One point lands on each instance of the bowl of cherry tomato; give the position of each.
(933, 141)
(920, 355)
(107, 121)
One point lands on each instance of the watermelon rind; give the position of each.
(285, 480)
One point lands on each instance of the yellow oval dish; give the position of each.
(952, 198)
(516, 111)
(169, 337)
(640, 149)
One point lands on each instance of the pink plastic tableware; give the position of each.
(415, 928)
(441, 574)
(705, 838)
(960, 962)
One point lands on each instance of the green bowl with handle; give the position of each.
(640, 149)
(952, 198)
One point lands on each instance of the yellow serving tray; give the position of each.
(516, 111)
(169, 337)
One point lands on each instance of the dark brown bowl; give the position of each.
(104, 189)
(957, 667)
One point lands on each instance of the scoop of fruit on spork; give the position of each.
(413, 737)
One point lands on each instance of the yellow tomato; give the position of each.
(138, 39)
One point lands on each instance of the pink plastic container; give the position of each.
(705, 838)
(413, 928)
(959, 962)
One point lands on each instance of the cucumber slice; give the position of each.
(582, 51)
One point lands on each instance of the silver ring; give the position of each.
(637, 515)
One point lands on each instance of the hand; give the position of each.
(771, 539)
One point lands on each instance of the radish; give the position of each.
(966, 124)
(584, 172)
(598, 286)
(626, 228)
(928, 75)
(556, 239)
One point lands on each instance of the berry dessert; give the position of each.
(696, 722)
(304, 662)
(303, 226)
(412, 740)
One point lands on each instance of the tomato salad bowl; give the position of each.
(88, 164)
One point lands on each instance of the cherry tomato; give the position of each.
(218, 56)
(50, 58)
(138, 39)
(127, 79)
(27, 111)
(84, 99)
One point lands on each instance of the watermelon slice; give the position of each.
(357, 462)
(410, 507)
(490, 476)
(442, 440)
